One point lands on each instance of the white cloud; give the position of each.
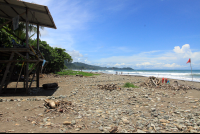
(173, 59)
(44, 32)
(74, 53)
(173, 65)
(143, 64)
(185, 49)
(121, 64)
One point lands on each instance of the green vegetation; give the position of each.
(128, 84)
(56, 57)
(70, 72)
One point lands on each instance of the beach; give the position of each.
(94, 110)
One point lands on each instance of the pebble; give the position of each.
(66, 123)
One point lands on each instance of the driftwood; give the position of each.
(152, 82)
(57, 106)
(155, 82)
(79, 75)
(108, 87)
(51, 104)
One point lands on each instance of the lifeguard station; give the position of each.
(28, 13)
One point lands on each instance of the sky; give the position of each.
(141, 34)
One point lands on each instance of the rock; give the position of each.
(193, 131)
(153, 109)
(180, 127)
(73, 122)
(125, 121)
(101, 128)
(164, 121)
(33, 122)
(78, 129)
(66, 123)
(114, 129)
(48, 124)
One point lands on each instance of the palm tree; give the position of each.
(21, 30)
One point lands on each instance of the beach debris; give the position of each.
(80, 75)
(109, 87)
(51, 104)
(50, 86)
(151, 82)
(155, 82)
(57, 106)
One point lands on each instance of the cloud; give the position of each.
(185, 49)
(157, 59)
(74, 53)
(171, 65)
(143, 64)
(44, 32)
(121, 64)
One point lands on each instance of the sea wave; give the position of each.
(180, 75)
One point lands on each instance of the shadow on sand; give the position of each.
(22, 92)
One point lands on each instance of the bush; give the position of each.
(128, 84)
(70, 72)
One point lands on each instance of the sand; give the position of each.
(20, 115)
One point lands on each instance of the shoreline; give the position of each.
(182, 77)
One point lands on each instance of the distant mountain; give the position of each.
(79, 65)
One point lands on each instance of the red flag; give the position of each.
(188, 61)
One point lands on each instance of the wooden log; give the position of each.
(50, 85)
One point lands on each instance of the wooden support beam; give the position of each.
(38, 71)
(33, 67)
(40, 53)
(10, 61)
(38, 78)
(21, 55)
(9, 76)
(33, 76)
(6, 72)
(14, 50)
(27, 54)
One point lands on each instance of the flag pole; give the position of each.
(191, 69)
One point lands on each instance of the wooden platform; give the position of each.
(12, 55)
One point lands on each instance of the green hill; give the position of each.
(79, 66)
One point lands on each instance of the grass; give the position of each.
(71, 72)
(128, 84)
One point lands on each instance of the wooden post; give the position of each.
(27, 54)
(191, 69)
(38, 71)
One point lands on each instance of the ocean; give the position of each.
(173, 74)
